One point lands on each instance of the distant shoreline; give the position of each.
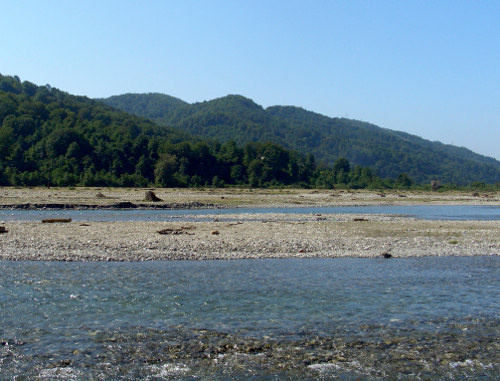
(117, 206)
(191, 198)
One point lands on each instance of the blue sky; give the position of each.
(430, 68)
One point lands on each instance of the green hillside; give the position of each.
(49, 137)
(388, 152)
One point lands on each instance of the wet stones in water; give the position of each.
(390, 352)
(124, 205)
(3, 229)
(151, 196)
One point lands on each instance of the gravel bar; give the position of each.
(270, 235)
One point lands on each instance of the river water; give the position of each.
(427, 212)
(343, 318)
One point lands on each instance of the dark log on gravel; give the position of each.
(55, 220)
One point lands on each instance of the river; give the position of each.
(347, 318)
(426, 212)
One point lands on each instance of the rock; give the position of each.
(386, 255)
(124, 205)
(151, 196)
(100, 195)
(360, 220)
(215, 232)
(3, 229)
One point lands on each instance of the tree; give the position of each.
(6, 141)
(404, 181)
(254, 172)
(341, 169)
(165, 169)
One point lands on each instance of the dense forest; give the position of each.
(49, 137)
(388, 153)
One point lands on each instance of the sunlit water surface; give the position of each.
(427, 212)
(428, 318)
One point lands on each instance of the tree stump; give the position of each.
(150, 196)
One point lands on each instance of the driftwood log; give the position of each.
(177, 231)
(55, 220)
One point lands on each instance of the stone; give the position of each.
(3, 229)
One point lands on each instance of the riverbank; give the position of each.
(11, 197)
(255, 235)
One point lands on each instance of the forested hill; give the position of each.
(49, 137)
(388, 152)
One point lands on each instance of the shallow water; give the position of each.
(427, 212)
(429, 318)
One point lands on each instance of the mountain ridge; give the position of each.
(388, 152)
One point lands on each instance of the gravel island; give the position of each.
(242, 235)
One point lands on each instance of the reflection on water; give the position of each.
(300, 318)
